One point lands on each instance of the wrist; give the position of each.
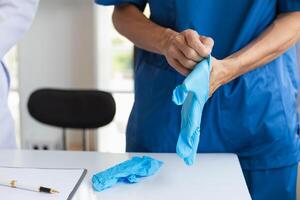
(221, 70)
(220, 74)
(231, 67)
(165, 38)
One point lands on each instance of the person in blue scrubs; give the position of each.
(15, 18)
(252, 110)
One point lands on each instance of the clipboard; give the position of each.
(65, 180)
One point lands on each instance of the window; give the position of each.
(115, 74)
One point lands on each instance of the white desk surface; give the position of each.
(213, 177)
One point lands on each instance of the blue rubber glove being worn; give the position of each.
(129, 171)
(192, 94)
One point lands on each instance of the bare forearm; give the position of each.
(134, 25)
(281, 35)
(182, 50)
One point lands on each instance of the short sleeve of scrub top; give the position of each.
(139, 3)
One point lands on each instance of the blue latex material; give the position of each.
(129, 171)
(192, 94)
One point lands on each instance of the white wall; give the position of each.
(58, 51)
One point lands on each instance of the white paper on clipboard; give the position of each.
(66, 181)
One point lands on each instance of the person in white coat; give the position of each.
(16, 17)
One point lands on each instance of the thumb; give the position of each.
(208, 43)
(179, 94)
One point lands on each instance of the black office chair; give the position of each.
(79, 109)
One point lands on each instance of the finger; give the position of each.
(195, 43)
(178, 67)
(179, 56)
(192, 39)
(207, 42)
(188, 52)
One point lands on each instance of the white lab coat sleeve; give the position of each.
(16, 17)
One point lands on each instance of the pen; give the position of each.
(14, 184)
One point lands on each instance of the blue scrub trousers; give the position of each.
(273, 184)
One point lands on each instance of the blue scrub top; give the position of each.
(254, 115)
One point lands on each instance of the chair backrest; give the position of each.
(84, 109)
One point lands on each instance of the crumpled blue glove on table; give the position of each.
(129, 171)
(192, 94)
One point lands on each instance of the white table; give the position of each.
(213, 177)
